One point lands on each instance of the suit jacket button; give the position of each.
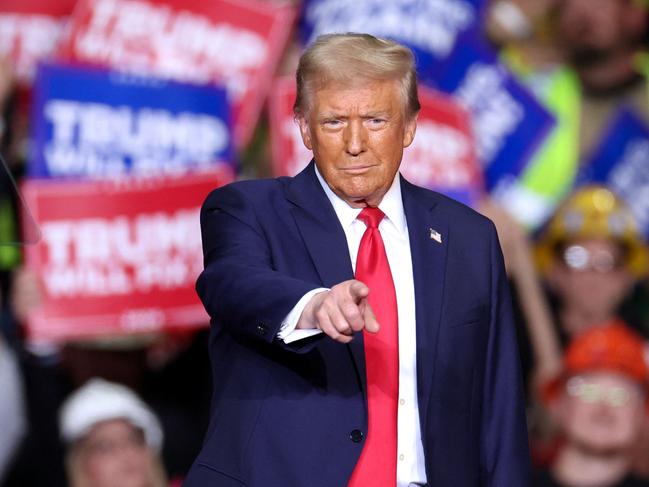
(356, 436)
(262, 329)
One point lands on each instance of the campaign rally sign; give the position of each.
(234, 42)
(429, 27)
(117, 257)
(620, 162)
(29, 31)
(97, 124)
(289, 155)
(508, 122)
(442, 156)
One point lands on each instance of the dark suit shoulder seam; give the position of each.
(251, 204)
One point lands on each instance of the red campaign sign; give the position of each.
(29, 31)
(289, 155)
(442, 156)
(117, 258)
(237, 43)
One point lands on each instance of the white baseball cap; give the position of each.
(99, 400)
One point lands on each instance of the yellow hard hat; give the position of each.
(593, 212)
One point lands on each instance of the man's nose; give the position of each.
(355, 138)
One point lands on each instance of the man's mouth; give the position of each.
(357, 169)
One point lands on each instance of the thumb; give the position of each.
(371, 325)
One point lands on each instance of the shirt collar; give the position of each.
(391, 205)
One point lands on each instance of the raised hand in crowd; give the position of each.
(517, 251)
(6, 82)
(26, 293)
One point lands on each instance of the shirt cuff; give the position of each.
(287, 331)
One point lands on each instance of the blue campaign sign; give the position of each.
(429, 27)
(508, 122)
(92, 123)
(620, 162)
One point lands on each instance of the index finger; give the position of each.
(371, 323)
(358, 290)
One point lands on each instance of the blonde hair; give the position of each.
(350, 58)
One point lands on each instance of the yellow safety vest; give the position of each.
(550, 174)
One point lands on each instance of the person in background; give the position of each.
(583, 60)
(604, 41)
(599, 401)
(527, 26)
(113, 439)
(524, 31)
(591, 255)
(13, 422)
(538, 341)
(151, 365)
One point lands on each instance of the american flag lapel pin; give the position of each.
(435, 235)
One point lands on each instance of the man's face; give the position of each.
(589, 276)
(602, 411)
(357, 135)
(592, 29)
(115, 454)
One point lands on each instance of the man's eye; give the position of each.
(332, 123)
(377, 121)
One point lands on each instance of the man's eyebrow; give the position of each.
(331, 114)
(376, 114)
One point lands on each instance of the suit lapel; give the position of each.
(327, 245)
(428, 267)
(319, 227)
(325, 241)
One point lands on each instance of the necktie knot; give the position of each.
(371, 217)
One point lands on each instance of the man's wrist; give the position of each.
(289, 324)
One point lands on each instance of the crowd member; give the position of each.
(113, 439)
(155, 366)
(526, 26)
(525, 33)
(538, 341)
(599, 401)
(583, 60)
(10, 169)
(603, 41)
(12, 413)
(590, 255)
(46, 386)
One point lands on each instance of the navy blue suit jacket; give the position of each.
(295, 415)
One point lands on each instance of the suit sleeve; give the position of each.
(505, 450)
(239, 287)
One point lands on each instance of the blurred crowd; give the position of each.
(132, 410)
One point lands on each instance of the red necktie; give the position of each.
(377, 465)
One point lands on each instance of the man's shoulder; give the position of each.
(247, 190)
(455, 213)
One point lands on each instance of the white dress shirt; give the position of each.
(394, 231)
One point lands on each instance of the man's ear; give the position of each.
(410, 129)
(305, 132)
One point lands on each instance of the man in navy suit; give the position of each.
(306, 357)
